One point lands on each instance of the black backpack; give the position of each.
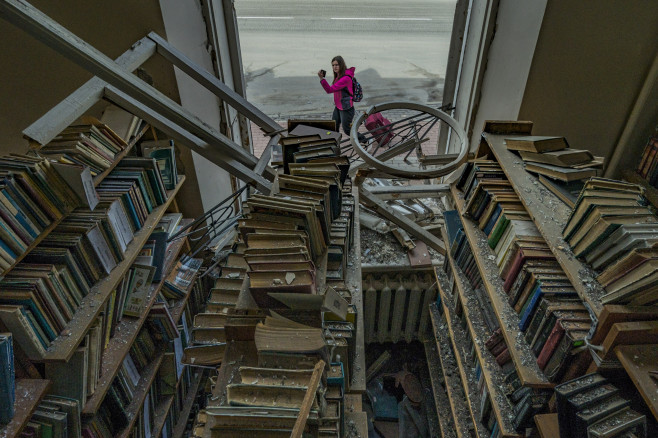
(357, 96)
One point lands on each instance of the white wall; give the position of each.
(185, 27)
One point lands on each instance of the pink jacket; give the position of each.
(342, 90)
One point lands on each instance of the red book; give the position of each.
(551, 344)
(503, 357)
(498, 348)
(521, 256)
(495, 338)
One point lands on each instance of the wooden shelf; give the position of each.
(524, 361)
(143, 387)
(550, 215)
(547, 425)
(63, 347)
(125, 334)
(491, 371)
(97, 180)
(32, 245)
(29, 393)
(160, 414)
(638, 360)
(650, 192)
(353, 283)
(121, 155)
(441, 402)
(187, 405)
(455, 390)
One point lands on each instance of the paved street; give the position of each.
(399, 49)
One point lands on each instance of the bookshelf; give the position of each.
(550, 216)
(160, 414)
(490, 370)
(524, 361)
(547, 425)
(353, 283)
(458, 398)
(441, 403)
(651, 193)
(639, 361)
(143, 387)
(29, 393)
(125, 333)
(188, 402)
(121, 155)
(63, 347)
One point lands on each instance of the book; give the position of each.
(566, 192)
(57, 421)
(626, 422)
(7, 378)
(565, 174)
(123, 123)
(623, 240)
(536, 143)
(70, 407)
(139, 286)
(69, 379)
(561, 158)
(565, 390)
(164, 153)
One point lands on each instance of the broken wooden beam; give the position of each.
(409, 192)
(305, 409)
(370, 200)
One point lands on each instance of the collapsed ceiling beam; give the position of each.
(371, 201)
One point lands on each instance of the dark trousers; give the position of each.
(344, 118)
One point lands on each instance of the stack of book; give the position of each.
(113, 416)
(54, 416)
(612, 229)
(44, 291)
(7, 378)
(91, 145)
(305, 143)
(32, 196)
(532, 278)
(647, 168)
(589, 406)
(560, 168)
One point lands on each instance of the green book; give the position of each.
(498, 231)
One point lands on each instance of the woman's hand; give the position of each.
(320, 75)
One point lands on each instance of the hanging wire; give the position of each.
(208, 228)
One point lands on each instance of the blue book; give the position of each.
(453, 224)
(493, 219)
(4, 246)
(7, 378)
(45, 326)
(529, 308)
(20, 216)
(127, 202)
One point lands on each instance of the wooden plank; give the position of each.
(550, 215)
(408, 225)
(441, 402)
(353, 283)
(475, 325)
(125, 334)
(63, 347)
(614, 313)
(305, 408)
(629, 333)
(143, 387)
(33, 245)
(29, 393)
(638, 361)
(160, 414)
(356, 424)
(410, 192)
(81, 100)
(547, 425)
(524, 361)
(179, 429)
(46, 30)
(214, 85)
(459, 409)
(353, 403)
(202, 147)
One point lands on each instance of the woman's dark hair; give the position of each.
(341, 67)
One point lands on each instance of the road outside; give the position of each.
(399, 49)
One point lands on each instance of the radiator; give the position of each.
(396, 306)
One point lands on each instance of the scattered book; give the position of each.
(536, 143)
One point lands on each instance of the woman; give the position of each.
(343, 92)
